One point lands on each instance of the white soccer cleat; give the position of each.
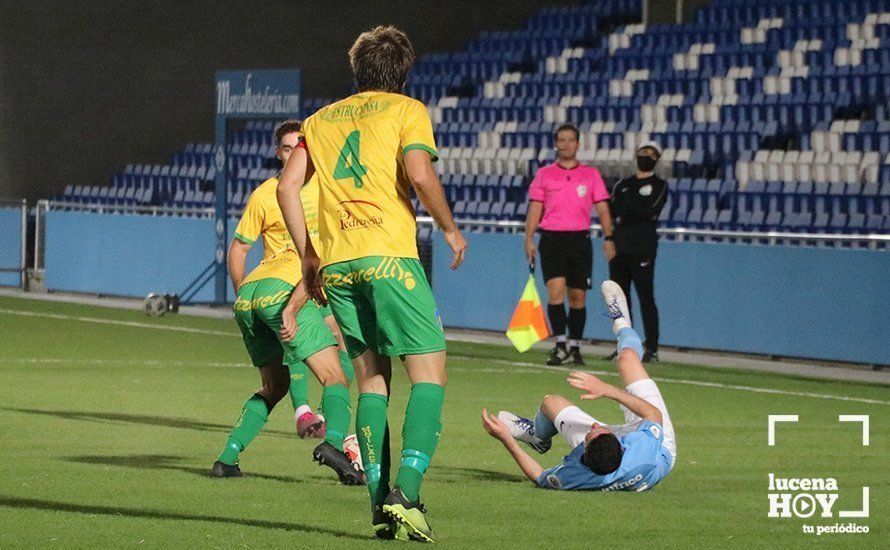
(616, 304)
(523, 429)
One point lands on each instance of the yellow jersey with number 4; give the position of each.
(357, 147)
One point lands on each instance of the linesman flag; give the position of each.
(528, 325)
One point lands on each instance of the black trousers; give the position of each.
(625, 269)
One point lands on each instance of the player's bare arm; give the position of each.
(295, 303)
(419, 168)
(596, 388)
(532, 220)
(501, 432)
(605, 217)
(236, 261)
(296, 172)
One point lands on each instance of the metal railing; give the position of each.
(22, 206)
(683, 233)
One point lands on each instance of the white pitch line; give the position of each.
(700, 383)
(117, 322)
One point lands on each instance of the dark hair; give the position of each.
(284, 128)
(568, 127)
(380, 59)
(603, 454)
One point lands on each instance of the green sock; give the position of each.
(249, 425)
(346, 365)
(372, 432)
(299, 384)
(335, 404)
(420, 435)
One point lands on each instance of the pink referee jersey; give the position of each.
(568, 196)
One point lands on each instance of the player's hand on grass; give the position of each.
(593, 386)
(495, 427)
(288, 324)
(458, 246)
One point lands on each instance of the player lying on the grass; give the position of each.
(631, 457)
(369, 150)
(271, 304)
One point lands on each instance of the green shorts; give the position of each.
(258, 314)
(384, 304)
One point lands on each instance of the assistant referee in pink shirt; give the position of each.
(561, 198)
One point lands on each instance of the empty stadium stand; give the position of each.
(773, 115)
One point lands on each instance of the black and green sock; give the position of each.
(335, 404)
(420, 436)
(372, 433)
(253, 417)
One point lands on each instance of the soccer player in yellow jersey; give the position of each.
(287, 135)
(367, 151)
(270, 308)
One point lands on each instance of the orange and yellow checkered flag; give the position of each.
(528, 325)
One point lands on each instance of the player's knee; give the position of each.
(628, 354)
(332, 376)
(552, 404)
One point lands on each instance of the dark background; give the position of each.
(86, 87)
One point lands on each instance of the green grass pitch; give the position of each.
(109, 423)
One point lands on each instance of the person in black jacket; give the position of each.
(635, 205)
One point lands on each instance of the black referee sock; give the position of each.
(557, 315)
(577, 319)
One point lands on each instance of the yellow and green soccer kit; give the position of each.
(266, 290)
(366, 227)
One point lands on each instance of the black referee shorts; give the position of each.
(567, 254)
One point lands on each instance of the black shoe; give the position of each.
(611, 357)
(650, 357)
(557, 356)
(224, 470)
(575, 356)
(328, 455)
(409, 515)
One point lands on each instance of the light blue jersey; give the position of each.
(645, 462)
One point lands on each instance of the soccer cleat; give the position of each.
(575, 356)
(409, 515)
(523, 429)
(650, 357)
(310, 425)
(384, 527)
(557, 356)
(224, 470)
(328, 455)
(616, 304)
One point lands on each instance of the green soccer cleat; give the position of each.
(410, 516)
(385, 528)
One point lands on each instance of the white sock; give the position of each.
(561, 339)
(301, 410)
(574, 343)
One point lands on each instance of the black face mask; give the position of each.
(645, 164)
